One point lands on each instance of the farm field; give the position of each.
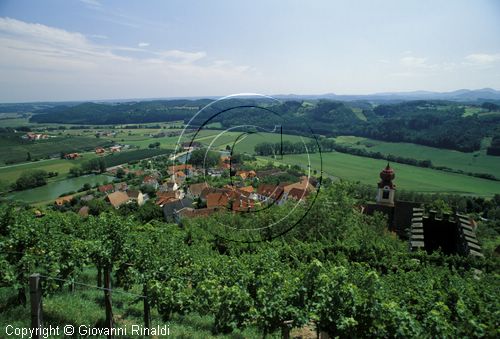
(14, 150)
(477, 162)
(10, 173)
(366, 171)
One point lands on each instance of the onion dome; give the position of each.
(387, 175)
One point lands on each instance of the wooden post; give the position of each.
(285, 329)
(107, 300)
(36, 305)
(147, 311)
(99, 276)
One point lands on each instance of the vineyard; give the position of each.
(338, 271)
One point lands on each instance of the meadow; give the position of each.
(10, 173)
(477, 162)
(366, 171)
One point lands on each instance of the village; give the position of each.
(183, 190)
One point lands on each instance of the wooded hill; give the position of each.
(439, 124)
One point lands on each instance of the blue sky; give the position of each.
(99, 49)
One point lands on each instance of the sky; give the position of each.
(63, 50)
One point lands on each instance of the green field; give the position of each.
(243, 143)
(10, 173)
(366, 170)
(477, 162)
(14, 150)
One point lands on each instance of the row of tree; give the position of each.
(96, 165)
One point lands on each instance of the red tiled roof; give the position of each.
(177, 168)
(106, 188)
(270, 191)
(297, 194)
(217, 200)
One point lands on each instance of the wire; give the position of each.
(93, 286)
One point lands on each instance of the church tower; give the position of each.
(386, 189)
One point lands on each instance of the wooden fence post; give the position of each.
(107, 300)
(285, 329)
(147, 311)
(36, 305)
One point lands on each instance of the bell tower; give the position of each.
(386, 189)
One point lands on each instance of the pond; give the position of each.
(53, 190)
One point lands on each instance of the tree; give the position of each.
(120, 173)
(31, 179)
(204, 157)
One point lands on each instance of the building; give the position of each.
(106, 188)
(62, 200)
(116, 199)
(225, 162)
(170, 209)
(99, 150)
(194, 190)
(150, 181)
(451, 233)
(270, 193)
(71, 156)
(35, 136)
(191, 145)
(188, 212)
(386, 189)
(137, 196)
(121, 186)
(246, 174)
(87, 198)
(163, 198)
(116, 148)
(297, 194)
(169, 186)
(218, 200)
(84, 211)
(185, 168)
(426, 230)
(305, 183)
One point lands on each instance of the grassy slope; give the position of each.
(477, 162)
(366, 170)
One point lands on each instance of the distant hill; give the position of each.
(461, 95)
(120, 113)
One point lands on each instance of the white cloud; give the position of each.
(181, 56)
(93, 4)
(411, 61)
(39, 62)
(98, 36)
(483, 58)
(143, 44)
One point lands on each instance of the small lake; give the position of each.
(53, 190)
